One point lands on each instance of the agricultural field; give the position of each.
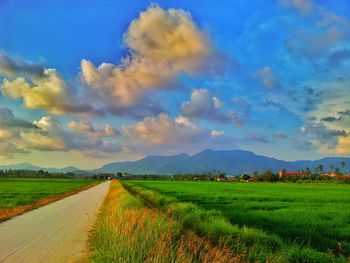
(20, 195)
(127, 230)
(274, 221)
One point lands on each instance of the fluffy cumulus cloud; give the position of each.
(163, 134)
(203, 105)
(165, 130)
(85, 127)
(48, 134)
(267, 79)
(162, 45)
(47, 91)
(81, 136)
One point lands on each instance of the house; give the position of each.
(220, 179)
(250, 180)
(330, 175)
(232, 179)
(290, 173)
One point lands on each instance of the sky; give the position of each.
(85, 83)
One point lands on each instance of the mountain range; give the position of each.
(232, 162)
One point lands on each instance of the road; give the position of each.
(53, 233)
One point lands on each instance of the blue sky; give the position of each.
(175, 76)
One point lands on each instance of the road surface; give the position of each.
(53, 233)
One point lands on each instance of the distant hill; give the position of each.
(28, 166)
(232, 162)
(228, 161)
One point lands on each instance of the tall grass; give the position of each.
(127, 231)
(257, 244)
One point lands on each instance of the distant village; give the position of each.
(285, 175)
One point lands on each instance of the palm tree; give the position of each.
(343, 164)
(331, 167)
(320, 168)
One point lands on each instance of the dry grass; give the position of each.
(127, 231)
(8, 213)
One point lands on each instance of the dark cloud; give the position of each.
(145, 107)
(311, 98)
(255, 137)
(331, 119)
(11, 68)
(8, 119)
(274, 104)
(323, 135)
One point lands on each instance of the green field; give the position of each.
(312, 217)
(18, 192)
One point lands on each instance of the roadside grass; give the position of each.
(20, 195)
(224, 211)
(128, 231)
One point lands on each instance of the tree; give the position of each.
(337, 171)
(320, 168)
(343, 164)
(245, 177)
(308, 172)
(331, 167)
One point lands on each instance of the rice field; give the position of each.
(275, 221)
(20, 195)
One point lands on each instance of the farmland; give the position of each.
(20, 195)
(281, 221)
(127, 230)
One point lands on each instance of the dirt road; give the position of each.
(53, 233)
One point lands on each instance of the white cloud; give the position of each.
(164, 130)
(48, 92)
(203, 105)
(85, 127)
(162, 45)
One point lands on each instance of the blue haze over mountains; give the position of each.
(232, 162)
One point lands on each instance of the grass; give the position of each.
(20, 195)
(275, 221)
(128, 231)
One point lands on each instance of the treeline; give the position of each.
(303, 176)
(209, 176)
(266, 176)
(34, 174)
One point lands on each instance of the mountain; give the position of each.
(229, 161)
(232, 162)
(28, 166)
